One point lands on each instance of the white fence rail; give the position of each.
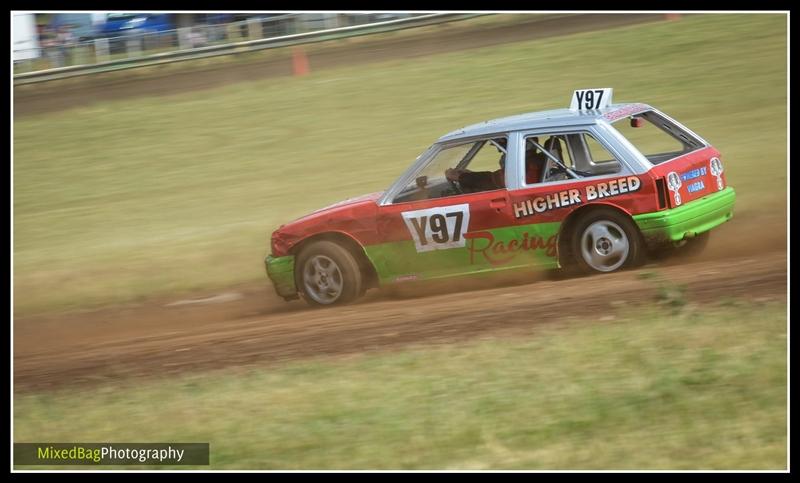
(139, 49)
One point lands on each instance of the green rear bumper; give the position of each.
(281, 271)
(688, 220)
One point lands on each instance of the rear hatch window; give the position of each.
(685, 167)
(656, 137)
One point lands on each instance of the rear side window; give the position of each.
(584, 155)
(597, 153)
(655, 137)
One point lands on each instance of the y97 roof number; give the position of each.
(590, 99)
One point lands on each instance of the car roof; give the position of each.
(546, 119)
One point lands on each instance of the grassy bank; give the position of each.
(637, 389)
(128, 199)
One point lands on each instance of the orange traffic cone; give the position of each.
(299, 61)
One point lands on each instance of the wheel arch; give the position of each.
(348, 243)
(569, 222)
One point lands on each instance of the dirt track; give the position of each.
(450, 37)
(155, 340)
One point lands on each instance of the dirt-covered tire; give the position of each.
(604, 240)
(327, 274)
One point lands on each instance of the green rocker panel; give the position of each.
(486, 251)
(688, 220)
(493, 250)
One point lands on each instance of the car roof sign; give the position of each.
(590, 99)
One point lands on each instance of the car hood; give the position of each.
(353, 216)
(371, 197)
(337, 210)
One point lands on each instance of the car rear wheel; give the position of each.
(605, 241)
(327, 274)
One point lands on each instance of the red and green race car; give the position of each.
(594, 188)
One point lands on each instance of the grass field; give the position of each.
(129, 199)
(700, 390)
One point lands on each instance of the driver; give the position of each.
(473, 181)
(535, 161)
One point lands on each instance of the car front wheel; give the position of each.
(327, 274)
(605, 241)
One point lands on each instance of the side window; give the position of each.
(577, 155)
(541, 168)
(488, 157)
(463, 168)
(431, 182)
(597, 153)
(600, 161)
(566, 155)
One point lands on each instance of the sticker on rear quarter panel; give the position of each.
(438, 228)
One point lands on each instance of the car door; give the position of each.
(444, 235)
(540, 206)
(439, 237)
